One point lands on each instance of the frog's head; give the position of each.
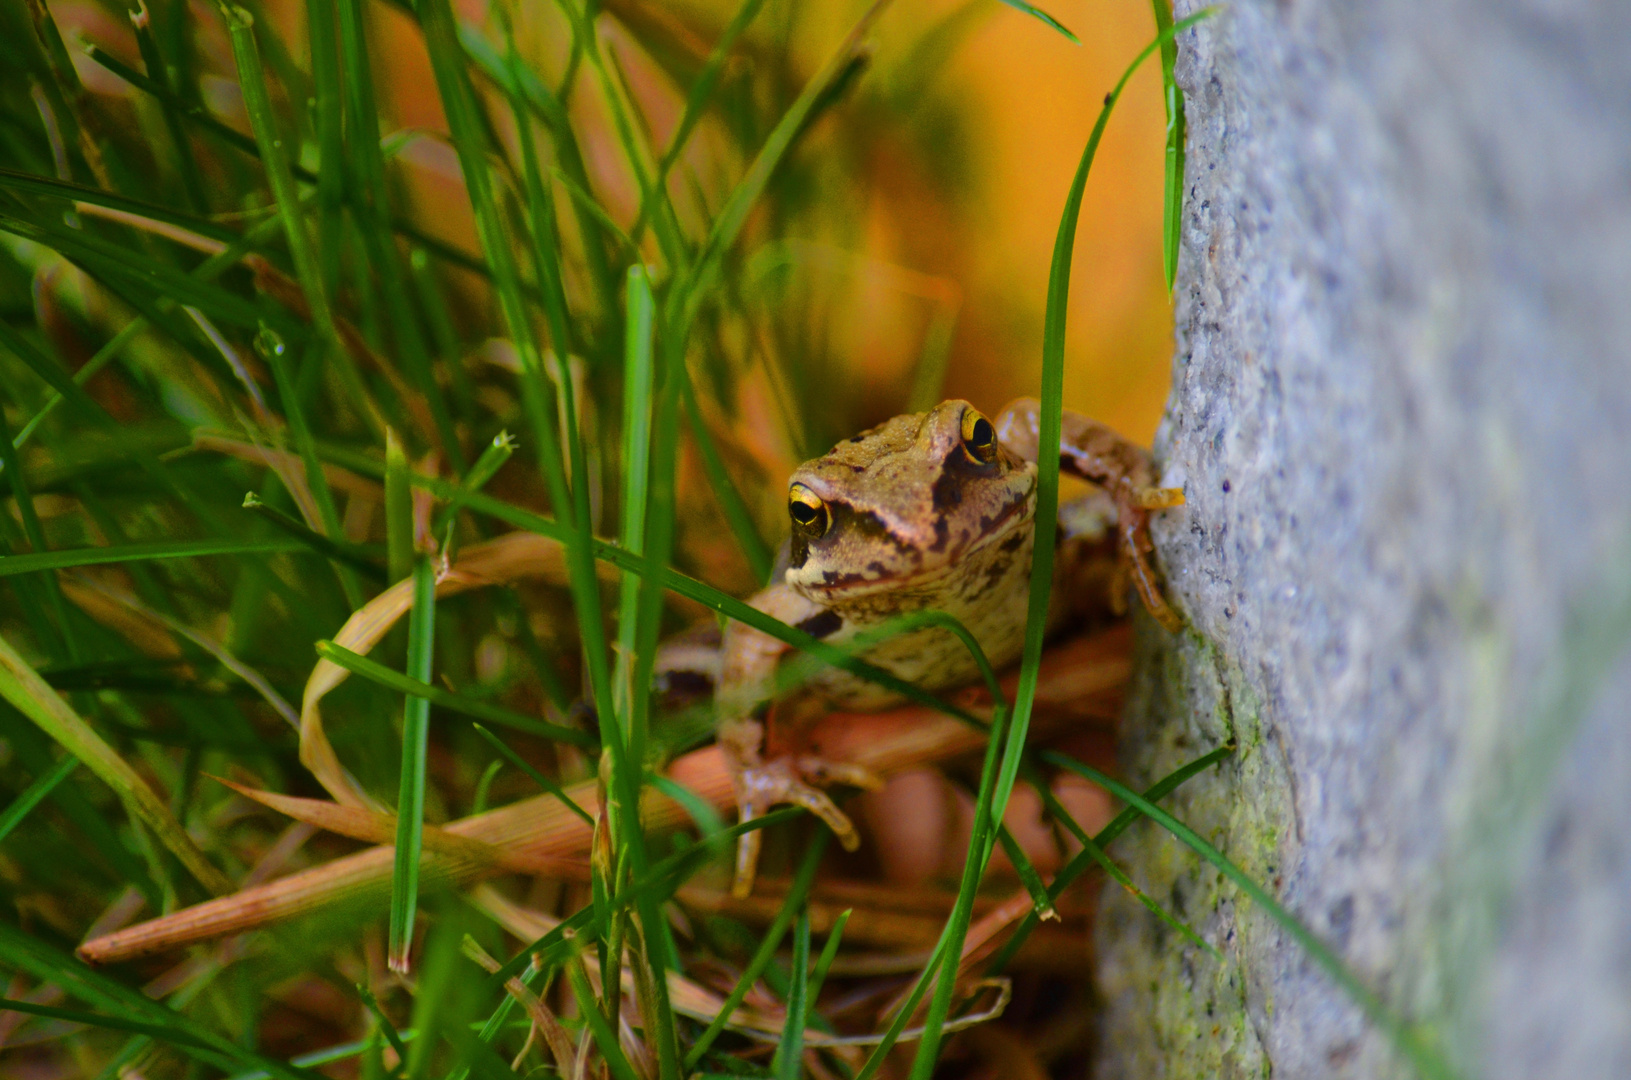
(905, 502)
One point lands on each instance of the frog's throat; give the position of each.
(1014, 518)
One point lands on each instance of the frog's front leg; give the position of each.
(1123, 469)
(746, 684)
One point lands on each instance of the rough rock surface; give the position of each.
(1402, 414)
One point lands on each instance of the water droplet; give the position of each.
(269, 343)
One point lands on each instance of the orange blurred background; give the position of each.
(956, 175)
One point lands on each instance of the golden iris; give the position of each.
(979, 437)
(807, 510)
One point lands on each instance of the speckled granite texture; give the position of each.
(1402, 414)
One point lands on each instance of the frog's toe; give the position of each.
(1145, 582)
(826, 773)
(747, 857)
(1159, 498)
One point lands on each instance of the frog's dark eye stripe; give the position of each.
(808, 512)
(979, 437)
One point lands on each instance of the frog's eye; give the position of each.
(808, 511)
(979, 437)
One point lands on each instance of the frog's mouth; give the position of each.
(833, 584)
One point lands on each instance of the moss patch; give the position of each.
(1193, 1013)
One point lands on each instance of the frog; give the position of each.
(931, 510)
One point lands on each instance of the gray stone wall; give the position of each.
(1402, 414)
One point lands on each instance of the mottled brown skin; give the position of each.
(926, 511)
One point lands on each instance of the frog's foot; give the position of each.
(784, 781)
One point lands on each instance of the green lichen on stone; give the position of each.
(1187, 700)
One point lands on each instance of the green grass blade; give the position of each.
(696, 103)
(398, 510)
(1080, 862)
(30, 695)
(105, 355)
(23, 498)
(638, 377)
(382, 1023)
(186, 164)
(665, 225)
(120, 266)
(63, 558)
(702, 813)
(549, 108)
(376, 672)
(586, 203)
(258, 103)
(949, 950)
(1041, 584)
(796, 672)
(1172, 202)
(788, 1062)
(487, 465)
(15, 180)
(829, 953)
(239, 141)
(23, 953)
(194, 113)
(25, 803)
(270, 348)
(660, 882)
(410, 806)
(328, 116)
(1409, 1041)
(1092, 850)
(1047, 20)
(1048, 443)
(346, 554)
(1041, 902)
(611, 1051)
(115, 1023)
(441, 40)
(329, 1055)
(796, 893)
(735, 508)
(733, 215)
(370, 201)
(34, 752)
(537, 777)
